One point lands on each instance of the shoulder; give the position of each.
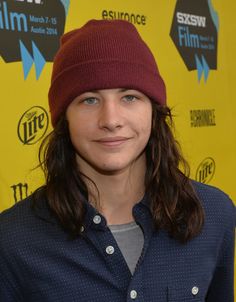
(216, 203)
(15, 225)
(22, 221)
(18, 213)
(213, 196)
(32, 207)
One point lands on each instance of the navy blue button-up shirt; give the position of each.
(38, 263)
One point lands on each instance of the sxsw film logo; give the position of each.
(31, 31)
(194, 32)
(206, 170)
(32, 125)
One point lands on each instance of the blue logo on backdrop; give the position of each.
(194, 32)
(31, 31)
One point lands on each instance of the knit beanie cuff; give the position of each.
(105, 75)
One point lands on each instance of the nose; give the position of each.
(110, 117)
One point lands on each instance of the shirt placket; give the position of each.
(135, 290)
(101, 238)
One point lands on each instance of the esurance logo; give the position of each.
(32, 125)
(194, 32)
(31, 30)
(138, 19)
(206, 170)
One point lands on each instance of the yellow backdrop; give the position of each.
(204, 108)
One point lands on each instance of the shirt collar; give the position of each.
(95, 220)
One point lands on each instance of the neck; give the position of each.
(118, 192)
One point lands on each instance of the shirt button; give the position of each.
(82, 229)
(110, 250)
(97, 219)
(195, 290)
(133, 294)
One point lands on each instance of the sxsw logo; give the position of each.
(194, 31)
(31, 31)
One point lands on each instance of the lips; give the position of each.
(112, 141)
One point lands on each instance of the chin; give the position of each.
(107, 169)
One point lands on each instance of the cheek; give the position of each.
(145, 133)
(145, 123)
(77, 131)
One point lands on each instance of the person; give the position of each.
(118, 218)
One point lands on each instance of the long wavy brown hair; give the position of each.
(173, 202)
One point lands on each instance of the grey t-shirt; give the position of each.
(130, 240)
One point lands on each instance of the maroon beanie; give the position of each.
(102, 54)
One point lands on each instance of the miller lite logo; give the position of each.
(32, 125)
(206, 170)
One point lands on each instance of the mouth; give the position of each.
(112, 141)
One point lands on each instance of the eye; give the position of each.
(90, 101)
(130, 98)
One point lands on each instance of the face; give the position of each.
(110, 129)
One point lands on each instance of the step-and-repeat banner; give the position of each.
(193, 43)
